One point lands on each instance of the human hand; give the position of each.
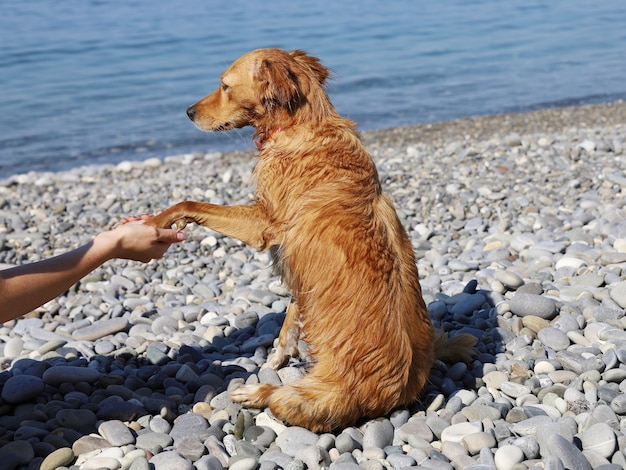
(134, 218)
(138, 242)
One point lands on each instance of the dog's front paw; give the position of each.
(167, 220)
(252, 395)
(277, 359)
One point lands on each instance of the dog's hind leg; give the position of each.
(287, 340)
(309, 403)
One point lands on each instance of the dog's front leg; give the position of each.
(287, 340)
(250, 224)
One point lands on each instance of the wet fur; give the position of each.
(337, 241)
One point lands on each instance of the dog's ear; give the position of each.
(278, 82)
(311, 63)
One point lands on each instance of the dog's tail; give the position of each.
(452, 349)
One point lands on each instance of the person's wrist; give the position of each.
(107, 244)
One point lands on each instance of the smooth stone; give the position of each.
(14, 454)
(599, 438)
(480, 412)
(190, 447)
(98, 463)
(509, 279)
(531, 425)
(480, 440)
(260, 436)
(24, 433)
(567, 452)
(79, 419)
(378, 433)
(553, 338)
(13, 347)
(314, 457)
(264, 419)
(292, 439)
(577, 364)
(246, 463)
(514, 389)
(560, 428)
(61, 457)
(607, 314)
(508, 456)
(153, 441)
(116, 433)
(87, 444)
(416, 429)
(206, 462)
(278, 458)
(530, 304)
(401, 460)
(58, 375)
(467, 305)
(456, 432)
(170, 460)
(618, 293)
(133, 455)
(22, 389)
(618, 404)
(189, 424)
(120, 410)
(494, 379)
(586, 280)
(100, 329)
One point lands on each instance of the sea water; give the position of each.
(88, 82)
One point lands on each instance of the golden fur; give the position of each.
(337, 241)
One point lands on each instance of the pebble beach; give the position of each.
(519, 225)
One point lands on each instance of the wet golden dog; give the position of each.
(336, 240)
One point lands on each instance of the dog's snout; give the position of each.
(191, 112)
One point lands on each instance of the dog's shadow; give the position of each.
(199, 377)
(472, 311)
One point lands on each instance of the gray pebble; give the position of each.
(100, 329)
(378, 433)
(292, 439)
(170, 460)
(567, 452)
(116, 433)
(509, 279)
(261, 436)
(79, 419)
(208, 462)
(58, 375)
(553, 338)
(530, 304)
(618, 293)
(22, 388)
(189, 424)
(153, 441)
(599, 438)
(190, 447)
(401, 460)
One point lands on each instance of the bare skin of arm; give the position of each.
(24, 288)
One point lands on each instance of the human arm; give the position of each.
(24, 288)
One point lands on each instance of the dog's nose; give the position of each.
(191, 112)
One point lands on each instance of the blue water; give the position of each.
(91, 81)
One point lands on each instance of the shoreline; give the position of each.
(483, 127)
(518, 222)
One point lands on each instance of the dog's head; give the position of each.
(263, 84)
